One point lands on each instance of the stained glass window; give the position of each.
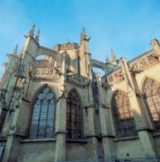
(43, 114)
(123, 116)
(74, 116)
(151, 91)
(2, 145)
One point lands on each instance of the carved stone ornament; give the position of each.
(136, 68)
(43, 70)
(145, 62)
(78, 80)
(153, 59)
(116, 77)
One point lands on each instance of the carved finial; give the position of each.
(37, 36)
(114, 59)
(156, 48)
(107, 61)
(154, 42)
(15, 50)
(84, 35)
(32, 30)
(83, 30)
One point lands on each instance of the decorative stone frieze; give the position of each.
(144, 63)
(43, 70)
(78, 80)
(116, 77)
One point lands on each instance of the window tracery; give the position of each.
(74, 116)
(151, 91)
(123, 116)
(42, 121)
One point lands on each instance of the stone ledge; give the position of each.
(90, 136)
(107, 136)
(83, 141)
(60, 132)
(104, 106)
(144, 129)
(125, 138)
(156, 133)
(38, 140)
(26, 100)
(89, 106)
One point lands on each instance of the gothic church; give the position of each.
(56, 108)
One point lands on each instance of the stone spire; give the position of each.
(84, 54)
(15, 50)
(32, 30)
(107, 61)
(84, 36)
(113, 56)
(37, 36)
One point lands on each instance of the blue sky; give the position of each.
(127, 26)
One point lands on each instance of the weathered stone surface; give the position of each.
(69, 67)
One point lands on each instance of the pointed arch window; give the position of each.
(123, 116)
(43, 114)
(151, 91)
(74, 116)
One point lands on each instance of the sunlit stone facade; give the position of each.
(56, 108)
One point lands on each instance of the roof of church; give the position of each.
(139, 56)
(129, 62)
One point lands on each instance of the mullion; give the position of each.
(46, 118)
(121, 114)
(128, 111)
(53, 119)
(41, 103)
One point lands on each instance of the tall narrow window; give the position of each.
(2, 118)
(151, 91)
(74, 116)
(123, 116)
(42, 121)
(2, 145)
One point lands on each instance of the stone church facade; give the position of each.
(58, 109)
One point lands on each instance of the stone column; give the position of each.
(14, 134)
(60, 130)
(105, 120)
(90, 132)
(141, 125)
(147, 143)
(10, 152)
(136, 102)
